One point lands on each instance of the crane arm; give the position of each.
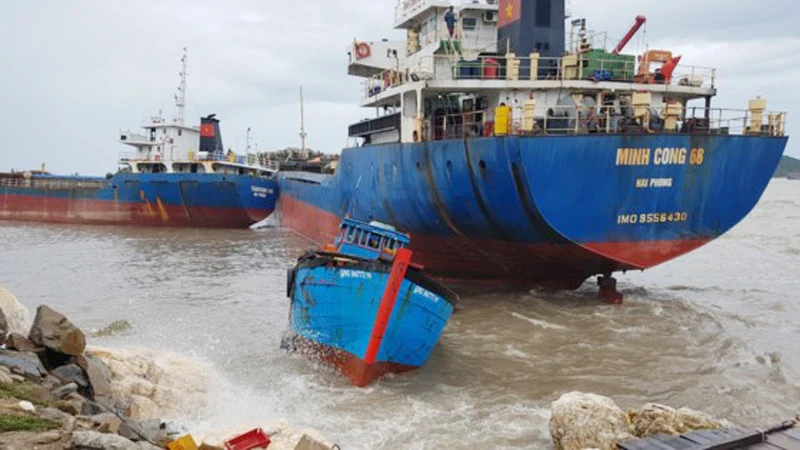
(640, 20)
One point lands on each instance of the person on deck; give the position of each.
(450, 20)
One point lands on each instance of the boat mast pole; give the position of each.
(302, 127)
(180, 98)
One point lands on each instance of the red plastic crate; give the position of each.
(255, 438)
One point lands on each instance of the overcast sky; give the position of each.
(75, 73)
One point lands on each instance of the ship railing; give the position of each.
(576, 120)
(52, 183)
(570, 67)
(407, 9)
(498, 68)
(128, 156)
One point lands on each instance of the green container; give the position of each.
(621, 67)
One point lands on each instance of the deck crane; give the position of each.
(640, 20)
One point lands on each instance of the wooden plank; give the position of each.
(675, 442)
(793, 433)
(783, 441)
(762, 446)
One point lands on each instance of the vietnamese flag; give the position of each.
(207, 130)
(510, 11)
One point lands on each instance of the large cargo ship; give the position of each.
(178, 175)
(518, 153)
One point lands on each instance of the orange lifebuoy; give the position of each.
(363, 50)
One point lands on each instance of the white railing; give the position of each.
(128, 156)
(444, 67)
(406, 9)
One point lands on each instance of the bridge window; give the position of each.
(363, 240)
(351, 235)
(374, 241)
(469, 23)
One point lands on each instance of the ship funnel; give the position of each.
(531, 26)
(211, 137)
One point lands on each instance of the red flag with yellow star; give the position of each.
(510, 11)
(207, 130)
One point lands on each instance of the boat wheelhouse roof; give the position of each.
(380, 230)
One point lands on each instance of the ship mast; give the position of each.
(180, 97)
(302, 127)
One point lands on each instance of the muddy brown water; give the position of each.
(717, 330)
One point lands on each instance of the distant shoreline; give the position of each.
(788, 165)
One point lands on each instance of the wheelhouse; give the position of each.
(371, 241)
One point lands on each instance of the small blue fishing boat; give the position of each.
(361, 306)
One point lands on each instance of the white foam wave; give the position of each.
(189, 391)
(540, 323)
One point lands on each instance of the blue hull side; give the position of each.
(202, 200)
(336, 308)
(549, 210)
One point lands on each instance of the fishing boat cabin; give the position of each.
(373, 241)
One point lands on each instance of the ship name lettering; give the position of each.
(355, 274)
(425, 293)
(669, 156)
(633, 156)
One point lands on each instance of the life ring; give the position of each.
(363, 50)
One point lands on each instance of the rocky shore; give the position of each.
(57, 394)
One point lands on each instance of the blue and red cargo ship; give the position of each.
(537, 170)
(179, 175)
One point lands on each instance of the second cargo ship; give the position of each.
(515, 160)
(178, 175)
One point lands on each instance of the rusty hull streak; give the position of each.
(445, 215)
(478, 197)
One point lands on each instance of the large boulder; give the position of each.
(106, 423)
(26, 440)
(17, 317)
(152, 430)
(3, 324)
(99, 378)
(581, 421)
(93, 440)
(660, 419)
(18, 342)
(73, 404)
(23, 363)
(71, 373)
(5, 375)
(54, 331)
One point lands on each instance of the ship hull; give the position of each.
(541, 211)
(179, 200)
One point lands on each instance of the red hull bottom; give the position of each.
(495, 264)
(101, 212)
(354, 368)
